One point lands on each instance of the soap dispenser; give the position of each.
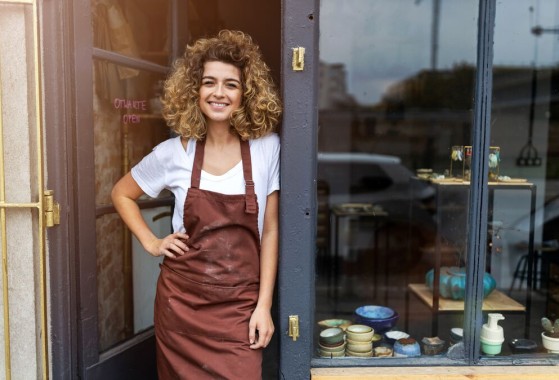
(492, 336)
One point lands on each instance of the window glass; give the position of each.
(125, 27)
(524, 221)
(395, 95)
(127, 125)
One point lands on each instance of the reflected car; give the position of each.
(369, 178)
(382, 180)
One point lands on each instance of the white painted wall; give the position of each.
(18, 117)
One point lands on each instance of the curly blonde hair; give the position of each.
(260, 108)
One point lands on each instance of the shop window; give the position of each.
(396, 102)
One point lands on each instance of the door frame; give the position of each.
(298, 186)
(58, 61)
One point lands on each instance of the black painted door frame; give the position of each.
(298, 186)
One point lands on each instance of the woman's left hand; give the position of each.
(261, 328)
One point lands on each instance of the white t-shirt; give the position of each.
(169, 166)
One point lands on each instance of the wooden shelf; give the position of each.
(496, 301)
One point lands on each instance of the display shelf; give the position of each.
(495, 301)
(446, 193)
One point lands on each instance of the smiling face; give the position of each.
(220, 91)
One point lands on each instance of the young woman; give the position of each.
(214, 293)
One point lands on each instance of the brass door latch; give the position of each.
(294, 327)
(298, 62)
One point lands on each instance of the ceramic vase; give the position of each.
(452, 283)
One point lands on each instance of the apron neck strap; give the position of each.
(250, 207)
(198, 161)
(250, 197)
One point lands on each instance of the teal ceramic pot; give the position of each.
(452, 282)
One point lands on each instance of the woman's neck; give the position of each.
(220, 135)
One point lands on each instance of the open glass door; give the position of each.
(129, 65)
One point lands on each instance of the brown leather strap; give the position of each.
(250, 197)
(198, 161)
(250, 207)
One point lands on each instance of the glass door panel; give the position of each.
(126, 27)
(127, 125)
(395, 97)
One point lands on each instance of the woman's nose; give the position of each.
(219, 90)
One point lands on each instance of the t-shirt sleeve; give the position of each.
(149, 173)
(274, 165)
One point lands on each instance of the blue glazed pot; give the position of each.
(406, 347)
(453, 282)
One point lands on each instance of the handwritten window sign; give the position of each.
(132, 107)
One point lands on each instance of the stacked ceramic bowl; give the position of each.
(331, 343)
(359, 341)
(379, 318)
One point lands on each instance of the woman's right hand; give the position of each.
(170, 246)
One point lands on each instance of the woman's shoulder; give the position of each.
(168, 146)
(269, 141)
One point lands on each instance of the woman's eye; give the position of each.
(232, 85)
(207, 83)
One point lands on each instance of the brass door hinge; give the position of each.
(294, 327)
(51, 208)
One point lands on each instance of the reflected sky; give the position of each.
(380, 42)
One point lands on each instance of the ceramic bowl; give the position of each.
(392, 336)
(364, 337)
(359, 354)
(328, 323)
(349, 340)
(325, 354)
(382, 352)
(374, 312)
(338, 348)
(377, 340)
(379, 325)
(359, 329)
(360, 333)
(359, 346)
(331, 336)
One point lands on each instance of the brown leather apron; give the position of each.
(206, 297)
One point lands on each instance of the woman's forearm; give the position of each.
(124, 196)
(269, 252)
